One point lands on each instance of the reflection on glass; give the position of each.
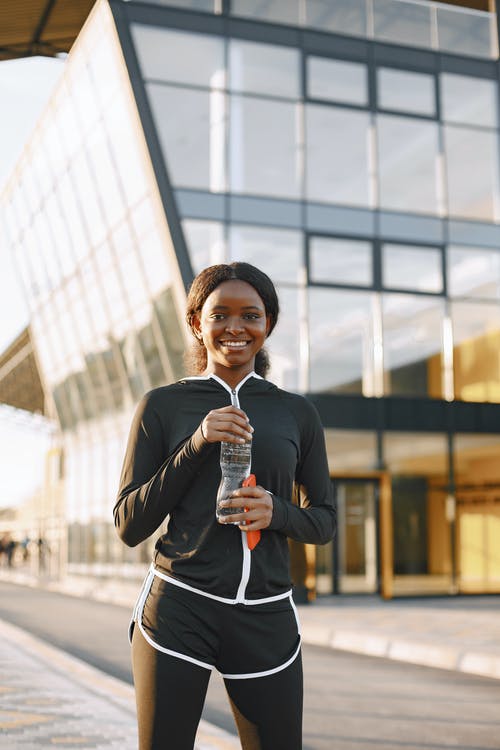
(402, 23)
(337, 80)
(205, 243)
(412, 338)
(263, 69)
(193, 141)
(418, 463)
(408, 152)
(270, 165)
(351, 450)
(277, 252)
(406, 91)
(285, 11)
(340, 261)
(469, 100)
(473, 272)
(341, 341)
(180, 57)
(476, 339)
(472, 193)
(337, 155)
(473, 33)
(344, 16)
(283, 344)
(477, 478)
(407, 267)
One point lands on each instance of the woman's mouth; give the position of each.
(234, 345)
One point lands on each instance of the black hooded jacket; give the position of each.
(171, 471)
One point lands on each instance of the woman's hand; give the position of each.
(229, 424)
(258, 504)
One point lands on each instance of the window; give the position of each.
(263, 69)
(412, 268)
(337, 80)
(406, 91)
(340, 261)
(408, 150)
(337, 155)
(264, 161)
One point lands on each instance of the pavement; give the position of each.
(51, 699)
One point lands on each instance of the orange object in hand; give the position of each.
(253, 537)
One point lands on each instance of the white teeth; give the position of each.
(234, 344)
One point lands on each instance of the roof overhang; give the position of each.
(20, 384)
(40, 27)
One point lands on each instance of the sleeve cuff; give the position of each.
(280, 514)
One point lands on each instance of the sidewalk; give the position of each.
(51, 699)
(459, 633)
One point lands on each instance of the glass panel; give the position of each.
(277, 252)
(283, 344)
(176, 56)
(341, 341)
(263, 69)
(472, 193)
(338, 80)
(472, 33)
(284, 11)
(344, 16)
(351, 450)
(406, 91)
(337, 155)
(408, 152)
(357, 536)
(468, 100)
(407, 267)
(477, 478)
(264, 162)
(476, 338)
(193, 141)
(418, 463)
(209, 6)
(403, 23)
(473, 272)
(412, 339)
(340, 261)
(206, 243)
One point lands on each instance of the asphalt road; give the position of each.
(352, 702)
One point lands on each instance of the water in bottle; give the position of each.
(235, 463)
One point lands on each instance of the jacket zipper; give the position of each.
(245, 570)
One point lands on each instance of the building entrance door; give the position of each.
(356, 554)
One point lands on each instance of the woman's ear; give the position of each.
(196, 327)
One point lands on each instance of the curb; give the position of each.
(413, 652)
(110, 689)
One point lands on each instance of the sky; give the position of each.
(25, 88)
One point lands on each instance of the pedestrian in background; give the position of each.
(209, 601)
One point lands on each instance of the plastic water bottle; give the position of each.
(235, 463)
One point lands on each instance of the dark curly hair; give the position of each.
(203, 286)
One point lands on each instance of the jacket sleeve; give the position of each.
(313, 519)
(150, 484)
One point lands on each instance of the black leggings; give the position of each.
(170, 694)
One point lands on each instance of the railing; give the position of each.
(417, 23)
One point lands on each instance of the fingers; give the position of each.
(258, 508)
(229, 424)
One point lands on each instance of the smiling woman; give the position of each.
(212, 599)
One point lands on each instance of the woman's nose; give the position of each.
(234, 324)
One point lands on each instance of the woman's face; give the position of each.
(233, 326)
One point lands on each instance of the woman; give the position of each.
(209, 601)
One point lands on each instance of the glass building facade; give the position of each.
(350, 152)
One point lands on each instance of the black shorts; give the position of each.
(241, 641)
